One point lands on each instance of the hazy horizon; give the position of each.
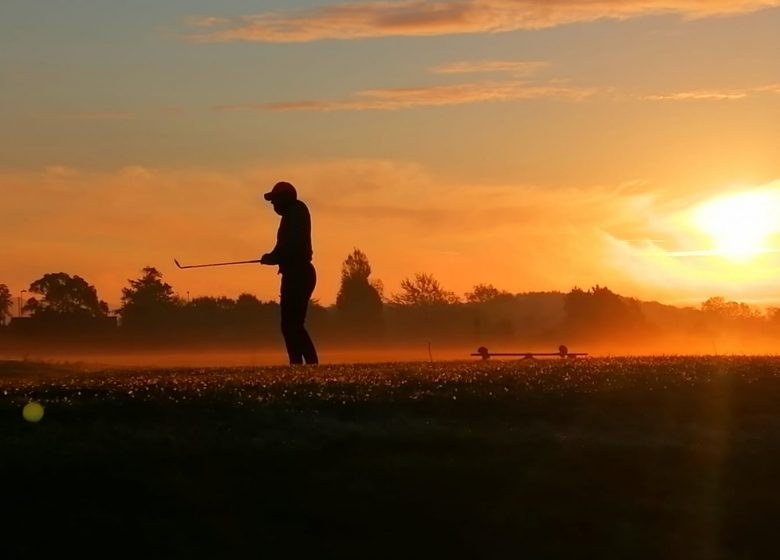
(196, 355)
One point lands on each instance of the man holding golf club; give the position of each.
(293, 256)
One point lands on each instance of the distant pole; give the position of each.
(188, 296)
(20, 301)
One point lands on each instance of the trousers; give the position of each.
(297, 286)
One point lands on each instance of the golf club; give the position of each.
(213, 264)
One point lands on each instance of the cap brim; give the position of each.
(268, 196)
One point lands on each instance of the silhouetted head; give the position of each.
(281, 196)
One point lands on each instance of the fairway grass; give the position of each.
(669, 457)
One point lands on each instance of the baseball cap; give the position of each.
(282, 189)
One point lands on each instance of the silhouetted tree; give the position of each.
(772, 318)
(424, 310)
(359, 301)
(319, 319)
(491, 312)
(719, 308)
(248, 301)
(208, 310)
(423, 290)
(733, 317)
(220, 320)
(257, 318)
(250, 310)
(600, 311)
(63, 295)
(6, 303)
(149, 302)
(484, 293)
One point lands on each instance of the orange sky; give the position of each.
(532, 145)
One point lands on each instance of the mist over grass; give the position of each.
(217, 353)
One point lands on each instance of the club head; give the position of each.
(177, 263)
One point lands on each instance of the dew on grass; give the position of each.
(348, 384)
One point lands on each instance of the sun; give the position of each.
(740, 225)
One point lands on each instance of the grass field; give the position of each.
(675, 457)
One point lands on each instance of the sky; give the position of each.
(533, 145)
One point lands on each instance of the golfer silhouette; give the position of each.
(293, 256)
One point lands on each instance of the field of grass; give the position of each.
(674, 457)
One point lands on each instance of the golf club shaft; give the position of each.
(213, 264)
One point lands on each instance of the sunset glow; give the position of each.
(437, 278)
(532, 145)
(740, 224)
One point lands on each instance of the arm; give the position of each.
(276, 256)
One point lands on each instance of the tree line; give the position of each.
(62, 305)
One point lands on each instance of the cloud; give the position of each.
(92, 115)
(389, 99)
(207, 21)
(714, 95)
(138, 172)
(62, 171)
(425, 96)
(514, 67)
(356, 20)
